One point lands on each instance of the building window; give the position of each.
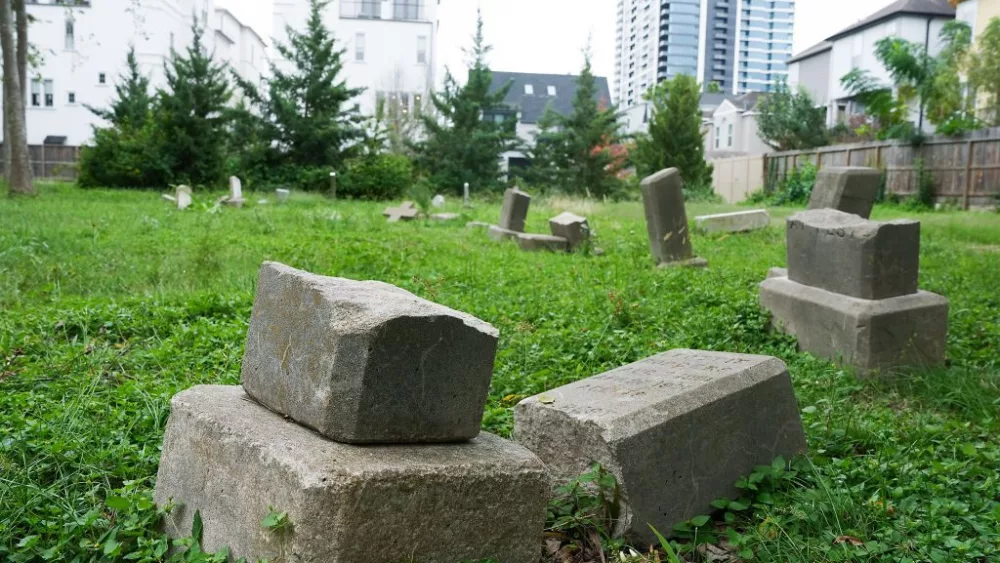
(406, 9)
(359, 47)
(422, 49)
(529, 90)
(730, 134)
(371, 9)
(552, 91)
(49, 96)
(418, 103)
(102, 78)
(717, 135)
(36, 93)
(70, 35)
(71, 97)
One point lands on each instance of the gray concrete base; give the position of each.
(500, 234)
(689, 263)
(878, 335)
(234, 461)
(535, 242)
(777, 272)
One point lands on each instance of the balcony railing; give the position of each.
(398, 10)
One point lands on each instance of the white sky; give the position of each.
(549, 35)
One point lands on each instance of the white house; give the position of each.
(732, 129)
(239, 46)
(83, 43)
(391, 46)
(820, 68)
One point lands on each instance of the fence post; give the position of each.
(878, 156)
(42, 175)
(968, 173)
(849, 151)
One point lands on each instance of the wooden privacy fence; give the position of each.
(52, 161)
(966, 171)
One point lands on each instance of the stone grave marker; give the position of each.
(571, 227)
(407, 211)
(851, 189)
(438, 200)
(515, 210)
(677, 430)
(445, 216)
(850, 293)
(235, 198)
(362, 362)
(666, 220)
(183, 197)
(282, 194)
(532, 242)
(736, 222)
(466, 202)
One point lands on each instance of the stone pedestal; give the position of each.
(677, 430)
(235, 461)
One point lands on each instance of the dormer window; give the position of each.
(529, 90)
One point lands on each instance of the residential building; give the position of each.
(820, 68)
(978, 13)
(391, 46)
(82, 46)
(528, 98)
(636, 118)
(239, 46)
(741, 45)
(732, 128)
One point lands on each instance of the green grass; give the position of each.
(111, 302)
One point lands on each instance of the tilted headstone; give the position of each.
(407, 211)
(282, 194)
(235, 192)
(234, 462)
(571, 227)
(515, 210)
(851, 189)
(532, 242)
(666, 220)
(846, 254)
(677, 430)
(736, 222)
(465, 195)
(183, 197)
(366, 362)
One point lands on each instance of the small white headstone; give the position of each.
(438, 200)
(465, 195)
(235, 192)
(282, 194)
(183, 197)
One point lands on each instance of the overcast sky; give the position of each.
(549, 35)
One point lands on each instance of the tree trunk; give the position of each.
(19, 175)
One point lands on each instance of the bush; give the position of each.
(123, 159)
(381, 176)
(794, 189)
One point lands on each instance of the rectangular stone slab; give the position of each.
(846, 254)
(677, 430)
(571, 227)
(532, 242)
(500, 234)
(514, 212)
(234, 461)
(851, 189)
(365, 361)
(910, 330)
(736, 222)
(666, 221)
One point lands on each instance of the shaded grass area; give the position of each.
(110, 302)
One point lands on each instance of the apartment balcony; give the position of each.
(397, 10)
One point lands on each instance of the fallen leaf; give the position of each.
(848, 539)
(546, 399)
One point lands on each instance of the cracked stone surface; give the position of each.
(677, 430)
(365, 361)
(234, 461)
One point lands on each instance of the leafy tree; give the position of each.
(713, 88)
(790, 120)
(984, 72)
(193, 115)
(470, 129)
(133, 103)
(305, 118)
(675, 138)
(888, 113)
(548, 153)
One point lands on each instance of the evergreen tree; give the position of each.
(548, 153)
(588, 133)
(471, 129)
(306, 117)
(675, 138)
(193, 115)
(130, 110)
(790, 120)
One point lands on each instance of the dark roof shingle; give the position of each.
(900, 7)
(532, 106)
(816, 49)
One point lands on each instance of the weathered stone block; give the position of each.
(910, 330)
(366, 362)
(777, 272)
(234, 461)
(571, 227)
(677, 430)
(737, 222)
(851, 189)
(666, 221)
(515, 210)
(846, 254)
(500, 234)
(533, 242)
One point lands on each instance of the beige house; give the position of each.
(732, 128)
(977, 13)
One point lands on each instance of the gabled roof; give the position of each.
(939, 8)
(821, 47)
(532, 106)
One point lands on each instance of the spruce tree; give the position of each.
(548, 154)
(675, 138)
(464, 141)
(130, 110)
(193, 115)
(306, 115)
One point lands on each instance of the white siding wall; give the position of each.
(813, 74)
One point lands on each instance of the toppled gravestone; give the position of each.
(366, 363)
(736, 222)
(851, 189)
(677, 430)
(533, 242)
(666, 220)
(850, 293)
(574, 228)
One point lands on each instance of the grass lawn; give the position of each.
(111, 302)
